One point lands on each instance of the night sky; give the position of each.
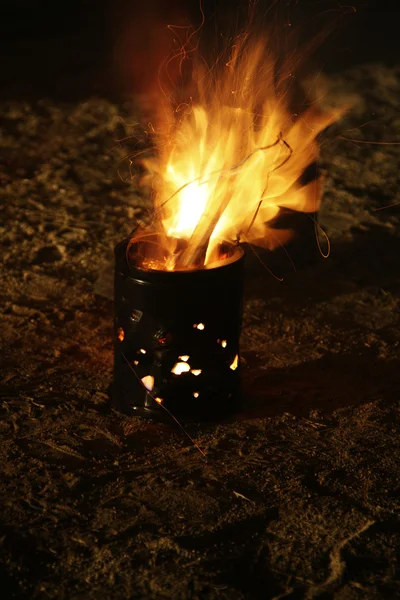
(78, 48)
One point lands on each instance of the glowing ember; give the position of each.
(159, 400)
(184, 357)
(148, 382)
(223, 343)
(235, 363)
(142, 351)
(121, 334)
(196, 372)
(179, 368)
(196, 394)
(231, 157)
(199, 326)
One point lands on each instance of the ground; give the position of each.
(298, 495)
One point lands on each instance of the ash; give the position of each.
(298, 496)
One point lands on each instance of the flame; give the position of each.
(179, 368)
(148, 382)
(228, 160)
(234, 365)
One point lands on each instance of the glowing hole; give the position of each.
(148, 382)
(142, 351)
(196, 394)
(200, 326)
(195, 372)
(164, 338)
(120, 334)
(159, 400)
(235, 363)
(185, 357)
(179, 368)
(136, 315)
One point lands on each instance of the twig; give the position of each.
(336, 564)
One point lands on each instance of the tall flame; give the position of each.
(232, 157)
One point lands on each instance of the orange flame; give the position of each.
(229, 160)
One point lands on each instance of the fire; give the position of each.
(228, 160)
(179, 368)
(148, 382)
(235, 363)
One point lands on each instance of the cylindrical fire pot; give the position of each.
(176, 338)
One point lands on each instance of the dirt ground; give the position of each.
(298, 496)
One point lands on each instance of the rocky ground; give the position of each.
(298, 496)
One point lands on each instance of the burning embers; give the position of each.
(224, 165)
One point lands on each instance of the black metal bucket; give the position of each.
(176, 338)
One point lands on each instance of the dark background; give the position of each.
(84, 47)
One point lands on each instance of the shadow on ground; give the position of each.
(324, 385)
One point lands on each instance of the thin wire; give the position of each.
(317, 226)
(341, 137)
(268, 176)
(164, 407)
(387, 206)
(229, 172)
(263, 263)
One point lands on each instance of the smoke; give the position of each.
(143, 40)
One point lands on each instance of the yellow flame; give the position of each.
(179, 368)
(148, 382)
(227, 164)
(235, 363)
